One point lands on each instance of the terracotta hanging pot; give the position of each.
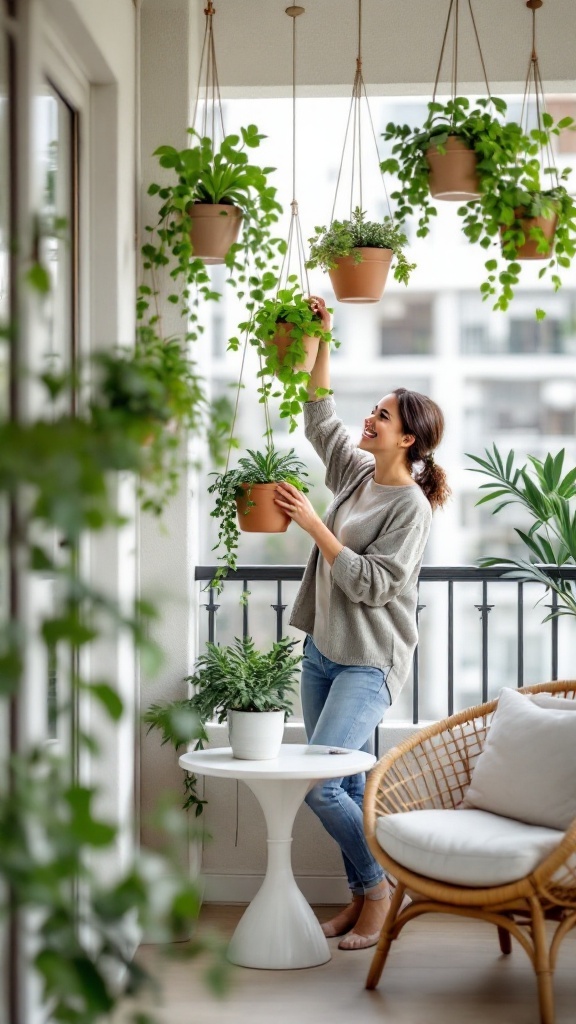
(265, 516)
(364, 281)
(215, 227)
(453, 173)
(529, 249)
(283, 339)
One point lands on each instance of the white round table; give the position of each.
(279, 930)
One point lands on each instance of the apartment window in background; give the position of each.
(527, 334)
(406, 327)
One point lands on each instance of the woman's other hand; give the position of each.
(297, 506)
(318, 306)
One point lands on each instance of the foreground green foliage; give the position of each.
(550, 500)
(59, 474)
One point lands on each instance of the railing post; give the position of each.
(520, 628)
(279, 608)
(211, 608)
(484, 610)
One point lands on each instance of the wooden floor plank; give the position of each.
(440, 971)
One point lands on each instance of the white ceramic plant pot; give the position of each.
(256, 735)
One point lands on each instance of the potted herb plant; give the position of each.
(357, 255)
(245, 500)
(458, 154)
(252, 689)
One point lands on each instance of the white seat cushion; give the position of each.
(465, 847)
(527, 769)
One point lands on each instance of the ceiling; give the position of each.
(401, 45)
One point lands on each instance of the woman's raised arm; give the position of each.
(320, 375)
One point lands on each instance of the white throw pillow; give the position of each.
(548, 700)
(527, 769)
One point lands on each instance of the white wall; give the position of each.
(167, 557)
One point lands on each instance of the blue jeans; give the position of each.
(342, 705)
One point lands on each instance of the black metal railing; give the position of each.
(451, 576)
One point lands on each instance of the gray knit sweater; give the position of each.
(372, 609)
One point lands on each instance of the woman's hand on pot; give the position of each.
(296, 505)
(318, 306)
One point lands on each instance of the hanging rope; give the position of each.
(354, 118)
(454, 12)
(208, 73)
(294, 241)
(534, 77)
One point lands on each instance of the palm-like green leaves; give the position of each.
(549, 498)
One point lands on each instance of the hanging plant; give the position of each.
(527, 217)
(460, 153)
(245, 500)
(226, 190)
(358, 253)
(286, 332)
(527, 223)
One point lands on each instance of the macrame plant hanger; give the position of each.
(454, 17)
(355, 121)
(294, 242)
(211, 117)
(535, 87)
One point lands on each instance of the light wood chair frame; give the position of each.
(432, 769)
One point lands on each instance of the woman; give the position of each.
(357, 602)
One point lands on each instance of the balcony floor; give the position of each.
(440, 971)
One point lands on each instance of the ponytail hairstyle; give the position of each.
(423, 418)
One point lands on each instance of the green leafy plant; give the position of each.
(509, 173)
(269, 466)
(496, 143)
(345, 237)
(203, 175)
(550, 500)
(237, 677)
(501, 217)
(156, 389)
(56, 473)
(292, 308)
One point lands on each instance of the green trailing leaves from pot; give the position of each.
(503, 219)
(497, 144)
(265, 467)
(203, 175)
(346, 237)
(549, 498)
(292, 309)
(510, 183)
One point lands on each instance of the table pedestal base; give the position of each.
(279, 930)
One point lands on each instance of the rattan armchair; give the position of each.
(432, 769)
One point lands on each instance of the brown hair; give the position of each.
(423, 418)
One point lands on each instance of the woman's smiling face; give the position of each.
(383, 429)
